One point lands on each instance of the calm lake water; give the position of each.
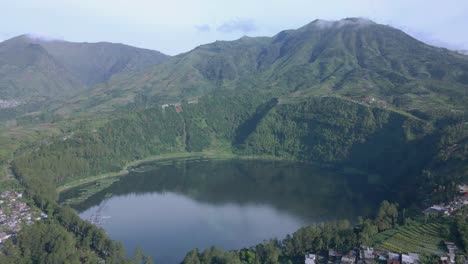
(170, 208)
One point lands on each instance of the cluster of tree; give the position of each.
(132, 136)
(339, 235)
(324, 129)
(449, 166)
(327, 129)
(461, 224)
(65, 238)
(90, 151)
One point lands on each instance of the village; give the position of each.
(366, 254)
(453, 206)
(14, 214)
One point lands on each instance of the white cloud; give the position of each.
(203, 28)
(245, 25)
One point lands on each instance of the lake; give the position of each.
(168, 208)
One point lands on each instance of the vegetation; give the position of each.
(340, 236)
(415, 237)
(356, 59)
(33, 67)
(364, 96)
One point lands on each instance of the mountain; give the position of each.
(351, 95)
(353, 57)
(32, 66)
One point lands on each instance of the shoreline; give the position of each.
(219, 155)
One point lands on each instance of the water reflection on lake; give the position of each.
(169, 209)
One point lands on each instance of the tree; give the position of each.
(387, 216)
(147, 260)
(138, 255)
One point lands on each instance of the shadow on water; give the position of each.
(302, 189)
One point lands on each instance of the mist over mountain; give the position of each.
(32, 65)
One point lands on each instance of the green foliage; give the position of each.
(461, 225)
(55, 68)
(387, 216)
(448, 166)
(42, 243)
(347, 59)
(338, 235)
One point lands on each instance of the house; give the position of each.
(393, 258)
(443, 258)
(451, 247)
(367, 254)
(3, 237)
(350, 257)
(436, 209)
(463, 189)
(178, 108)
(310, 259)
(451, 257)
(192, 101)
(410, 258)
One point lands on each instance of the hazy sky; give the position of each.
(174, 26)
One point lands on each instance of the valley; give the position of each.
(340, 132)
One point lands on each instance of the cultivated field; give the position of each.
(416, 237)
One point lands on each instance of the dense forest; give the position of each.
(328, 130)
(64, 238)
(349, 94)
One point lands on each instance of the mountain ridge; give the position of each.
(352, 57)
(81, 65)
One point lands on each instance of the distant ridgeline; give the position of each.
(405, 151)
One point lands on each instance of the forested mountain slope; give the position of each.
(345, 94)
(31, 66)
(328, 130)
(353, 57)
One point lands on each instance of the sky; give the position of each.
(176, 26)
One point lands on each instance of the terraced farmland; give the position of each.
(416, 237)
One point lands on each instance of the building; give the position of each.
(410, 258)
(443, 258)
(393, 258)
(436, 209)
(451, 247)
(350, 257)
(367, 254)
(310, 259)
(3, 237)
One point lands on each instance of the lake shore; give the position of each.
(210, 154)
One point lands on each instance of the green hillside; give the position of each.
(355, 58)
(31, 67)
(349, 94)
(328, 130)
